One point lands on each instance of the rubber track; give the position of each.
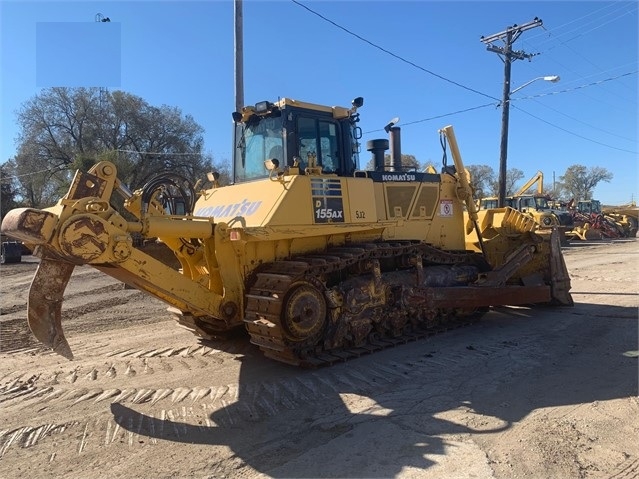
(264, 300)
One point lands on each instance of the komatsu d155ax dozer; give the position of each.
(318, 259)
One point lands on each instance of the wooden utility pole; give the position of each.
(239, 56)
(508, 55)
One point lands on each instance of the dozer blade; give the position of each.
(44, 308)
(560, 278)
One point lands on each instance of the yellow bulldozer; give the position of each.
(317, 259)
(627, 216)
(536, 205)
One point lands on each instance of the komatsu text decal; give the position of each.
(399, 177)
(328, 206)
(243, 208)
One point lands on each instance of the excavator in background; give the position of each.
(317, 259)
(536, 205)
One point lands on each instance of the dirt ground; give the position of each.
(543, 393)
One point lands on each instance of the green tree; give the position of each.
(579, 182)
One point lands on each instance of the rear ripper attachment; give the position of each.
(83, 228)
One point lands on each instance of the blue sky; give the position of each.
(415, 60)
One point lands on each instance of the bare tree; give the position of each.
(7, 192)
(486, 182)
(62, 129)
(37, 181)
(223, 169)
(513, 175)
(482, 178)
(579, 182)
(409, 162)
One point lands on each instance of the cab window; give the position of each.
(318, 139)
(257, 141)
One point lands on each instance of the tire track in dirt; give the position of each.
(79, 315)
(179, 387)
(70, 313)
(131, 362)
(231, 405)
(628, 470)
(27, 436)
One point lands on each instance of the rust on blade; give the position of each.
(44, 308)
(29, 225)
(86, 185)
(559, 272)
(84, 238)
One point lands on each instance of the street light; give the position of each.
(501, 197)
(551, 78)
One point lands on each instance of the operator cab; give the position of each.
(538, 203)
(493, 203)
(297, 138)
(589, 207)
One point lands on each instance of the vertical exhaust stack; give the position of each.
(396, 148)
(377, 148)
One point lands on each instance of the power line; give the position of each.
(576, 134)
(530, 114)
(578, 31)
(624, 105)
(598, 22)
(54, 169)
(566, 90)
(583, 122)
(578, 88)
(438, 116)
(158, 153)
(394, 55)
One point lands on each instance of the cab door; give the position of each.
(318, 141)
